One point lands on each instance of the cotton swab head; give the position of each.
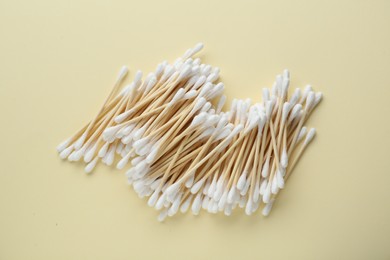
(310, 135)
(267, 209)
(284, 158)
(302, 133)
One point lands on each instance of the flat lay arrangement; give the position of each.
(182, 151)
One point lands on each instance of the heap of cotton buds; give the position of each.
(185, 153)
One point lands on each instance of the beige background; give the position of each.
(58, 60)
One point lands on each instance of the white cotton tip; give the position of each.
(198, 47)
(284, 158)
(231, 194)
(195, 70)
(222, 201)
(155, 184)
(265, 170)
(206, 187)
(196, 187)
(122, 163)
(286, 74)
(80, 141)
(137, 160)
(205, 202)
(302, 133)
(241, 181)
(140, 132)
(153, 153)
(141, 143)
(224, 133)
(212, 77)
(285, 83)
(206, 108)
(310, 136)
(263, 186)
(197, 62)
(206, 89)
(141, 167)
(279, 179)
(122, 73)
(199, 104)
(295, 97)
(90, 153)
(233, 107)
(175, 206)
(266, 96)
(190, 181)
(159, 69)
(207, 133)
(212, 188)
(168, 71)
(218, 193)
(306, 92)
(267, 208)
(91, 165)
(201, 80)
(228, 210)
(186, 205)
(137, 78)
(238, 128)
(162, 216)
(295, 112)
(244, 191)
(267, 194)
(212, 120)
(253, 122)
(110, 132)
(127, 130)
(196, 205)
(153, 199)
(310, 100)
(220, 104)
(173, 188)
(160, 202)
(120, 118)
(127, 140)
(193, 78)
(110, 156)
(286, 109)
(274, 186)
(144, 150)
(256, 191)
(217, 90)
(78, 154)
(103, 150)
(318, 98)
(210, 206)
(268, 109)
(66, 152)
(130, 173)
(206, 70)
(190, 94)
(191, 52)
(199, 119)
(178, 64)
(278, 86)
(151, 83)
(242, 202)
(185, 72)
(63, 145)
(249, 207)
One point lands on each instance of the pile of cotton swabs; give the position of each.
(183, 152)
